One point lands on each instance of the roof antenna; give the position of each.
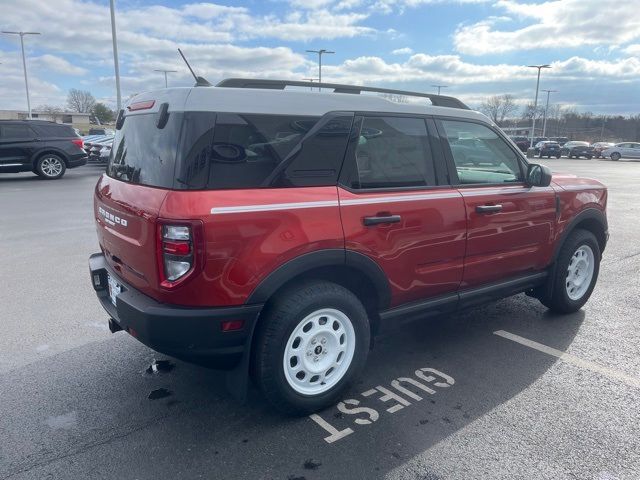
(200, 81)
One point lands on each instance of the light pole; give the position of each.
(114, 38)
(320, 53)
(604, 120)
(165, 75)
(24, 63)
(535, 103)
(439, 87)
(546, 109)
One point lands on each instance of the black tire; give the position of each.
(560, 301)
(281, 317)
(558, 156)
(589, 157)
(615, 156)
(50, 166)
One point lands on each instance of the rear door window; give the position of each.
(392, 152)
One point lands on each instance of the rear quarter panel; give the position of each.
(249, 233)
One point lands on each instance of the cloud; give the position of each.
(52, 63)
(552, 24)
(402, 51)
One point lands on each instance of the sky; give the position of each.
(477, 48)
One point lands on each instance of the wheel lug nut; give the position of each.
(323, 341)
(313, 342)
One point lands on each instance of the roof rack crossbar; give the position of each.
(437, 100)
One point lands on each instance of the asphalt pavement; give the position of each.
(504, 391)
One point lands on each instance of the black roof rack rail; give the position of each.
(437, 100)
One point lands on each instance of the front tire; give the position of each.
(576, 273)
(50, 167)
(311, 343)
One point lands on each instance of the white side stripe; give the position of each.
(273, 206)
(331, 203)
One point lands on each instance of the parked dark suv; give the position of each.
(44, 148)
(275, 231)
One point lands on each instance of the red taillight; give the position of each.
(78, 141)
(146, 105)
(176, 248)
(180, 251)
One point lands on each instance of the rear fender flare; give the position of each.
(322, 259)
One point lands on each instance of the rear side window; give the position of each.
(480, 155)
(243, 151)
(55, 131)
(393, 152)
(16, 131)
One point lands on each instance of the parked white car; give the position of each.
(622, 150)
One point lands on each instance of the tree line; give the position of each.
(562, 121)
(80, 101)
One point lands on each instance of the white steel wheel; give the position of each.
(51, 166)
(580, 272)
(319, 351)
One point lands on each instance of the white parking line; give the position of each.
(572, 359)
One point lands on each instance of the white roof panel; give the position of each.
(290, 102)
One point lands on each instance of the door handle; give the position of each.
(369, 221)
(488, 208)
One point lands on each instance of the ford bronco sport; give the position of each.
(272, 231)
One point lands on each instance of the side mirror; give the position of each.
(538, 175)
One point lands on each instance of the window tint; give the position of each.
(16, 131)
(241, 150)
(318, 159)
(393, 152)
(480, 155)
(53, 131)
(144, 154)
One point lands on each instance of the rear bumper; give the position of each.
(192, 334)
(78, 160)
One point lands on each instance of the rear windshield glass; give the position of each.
(207, 150)
(142, 153)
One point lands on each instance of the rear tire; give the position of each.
(311, 343)
(50, 167)
(615, 156)
(576, 273)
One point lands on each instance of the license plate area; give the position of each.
(114, 288)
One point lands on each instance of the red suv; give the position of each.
(273, 231)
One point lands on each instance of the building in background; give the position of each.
(75, 119)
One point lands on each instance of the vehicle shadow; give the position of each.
(99, 408)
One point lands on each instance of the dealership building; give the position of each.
(75, 119)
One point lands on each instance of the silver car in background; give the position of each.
(622, 150)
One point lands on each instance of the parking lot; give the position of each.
(502, 391)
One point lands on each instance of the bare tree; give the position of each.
(530, 111)
(53, 111)
(499, 107)
(80, 101)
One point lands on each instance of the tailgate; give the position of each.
(125, 217)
